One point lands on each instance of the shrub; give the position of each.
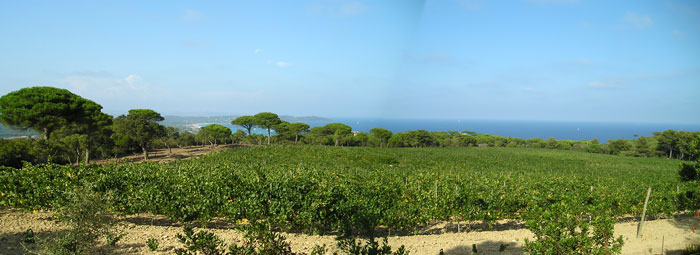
(152, 244)
(566, 230)
(689, 171)
(259, 240)
(89, 215)
(369, 247)
(203, 242)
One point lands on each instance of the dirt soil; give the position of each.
(161, 155)
(674, 234)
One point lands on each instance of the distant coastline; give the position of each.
(560, 130)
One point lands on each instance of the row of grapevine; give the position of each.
(319, 189)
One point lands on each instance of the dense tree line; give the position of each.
(74, 130)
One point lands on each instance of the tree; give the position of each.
(14, 151)
(186, 139)
(319, 134)
(142, 126)
(267, 120)
(238, 136)
(338, 130)
(421, 138)
(471, 133)
(45, 109)
(641, 147)
(382, 134)
(668, 141)
(618, 145)
(552, 143)
(283, 131)
(170, 138)
(214, 132)
(246, 122)
(299, 128)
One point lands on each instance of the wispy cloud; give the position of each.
(353, 9)
(585, 25)
(528, 90)
(638, 21)
(195, 44)
(102, 82)
(678, 34)
(282, 64)
(191, 15)
(257, 51)
(605, 84)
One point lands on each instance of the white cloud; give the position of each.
(258, 51)
(605, 84)
(678, 34)
(101, 82)
(132, 79)
(637, 21)
(191, 15)
(283, 64)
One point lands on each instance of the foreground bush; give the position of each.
(89, 217)
(562, 229)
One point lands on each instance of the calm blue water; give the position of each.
(560, 130)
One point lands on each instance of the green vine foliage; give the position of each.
(565, 229)
(317, 189)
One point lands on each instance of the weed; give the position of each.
(152, 244)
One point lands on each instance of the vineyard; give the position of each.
(317, 189)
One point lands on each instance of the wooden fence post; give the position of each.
(644, 212)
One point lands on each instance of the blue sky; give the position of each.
(574, 60)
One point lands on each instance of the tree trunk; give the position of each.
(670, 153)
(296, 138)
(145, 153)
(268, 136)
(336, 142)
(87, 156)
(77, 156)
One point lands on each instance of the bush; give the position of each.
(260, 241)
(566, 230)
(203, 241)
(689, 171)
(13, 152)
(152, 244)
(370, 247)
(89, 215)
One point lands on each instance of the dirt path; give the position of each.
(161, 155)
(675, 233)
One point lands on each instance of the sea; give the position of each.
(560, 130)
